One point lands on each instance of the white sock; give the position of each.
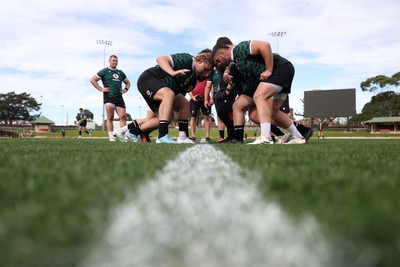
(266, 129)
(110, 134)
(293, 131)
(182, 135)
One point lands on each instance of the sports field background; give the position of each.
(57, 196)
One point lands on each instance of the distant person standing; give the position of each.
(82, 124)
(197, 103)
(320, 125)
(112, 79)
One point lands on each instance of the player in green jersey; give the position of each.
(112, 79)
(82, 123)
(268, 78)
(164, 86)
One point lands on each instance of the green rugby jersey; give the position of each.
(113, 80)
(252, 66)
(83, 115)
(238, 82)
(182, 84)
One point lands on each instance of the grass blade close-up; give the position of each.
(90, 202)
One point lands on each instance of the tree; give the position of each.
(381, 83)
(386, 104)
(18, 107)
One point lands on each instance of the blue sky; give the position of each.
(49, 48)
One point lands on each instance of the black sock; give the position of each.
(136, 131)
(301, 128)
(238, 132)
(276, 131)
(133, 124)
(163, 128)
(184, 126)
(221, 133)
(80, 132)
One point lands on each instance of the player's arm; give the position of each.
(191, 96)
(227, 73)
(207, 99)
(165, 63)
(127, 86)
(264, 49)
(95, 82)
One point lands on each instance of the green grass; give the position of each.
(351, 186)
(56, 194)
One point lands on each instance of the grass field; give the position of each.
(58, 196)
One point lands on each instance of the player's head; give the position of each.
(224, 40)
(221, 54)
(81, 109)
(204, 64)
(113, 61)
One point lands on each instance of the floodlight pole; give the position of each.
(277, 35)
(104, 43)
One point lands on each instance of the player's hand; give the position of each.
(227, 78)
(124, 91)
(265, 75)
(105, 90)
(179, 73)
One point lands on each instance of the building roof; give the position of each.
(42, 120)
(383, 119)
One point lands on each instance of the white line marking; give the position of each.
(200, 211)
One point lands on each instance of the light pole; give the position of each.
(277, 35)
(104, 43)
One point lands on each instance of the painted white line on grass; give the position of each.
(200, 211)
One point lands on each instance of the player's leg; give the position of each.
(110, 107)
(182, 106)
(228, 112)
(261, 96)
(207, 121)
(220, 114)
(242, 103)
(121, 112)
(221, 129)
(152, 117)
(284, 121)
(193, 118)
(165, 113)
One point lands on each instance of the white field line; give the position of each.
(200, 211)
